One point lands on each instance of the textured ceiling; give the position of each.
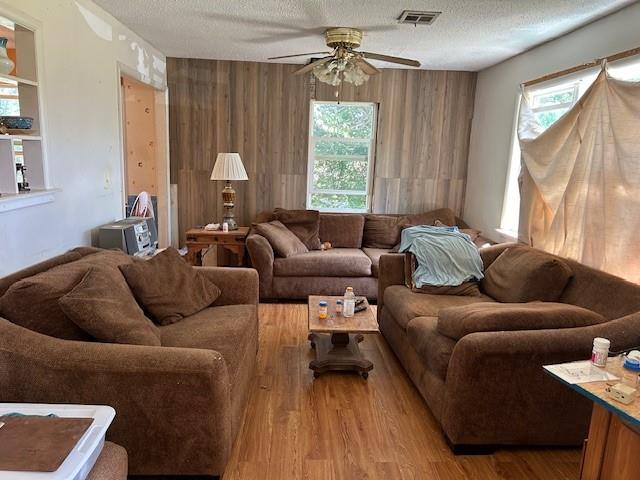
(469, 35)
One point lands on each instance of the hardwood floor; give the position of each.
(340, 426)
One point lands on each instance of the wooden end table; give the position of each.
(199, 239)
(336, 338)
(611, 449)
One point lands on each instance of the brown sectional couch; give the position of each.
(352, 262)
(178, 406)
(488, 387)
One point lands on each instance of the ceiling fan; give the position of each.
(344, 62)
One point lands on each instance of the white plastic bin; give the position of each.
(83, 456)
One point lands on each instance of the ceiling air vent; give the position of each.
(413, 17)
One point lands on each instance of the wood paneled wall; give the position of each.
(261, 111)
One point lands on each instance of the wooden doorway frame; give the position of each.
(161, 117)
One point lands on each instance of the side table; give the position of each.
(199, 239)
(611, 450)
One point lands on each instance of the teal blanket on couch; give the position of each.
(445, 255)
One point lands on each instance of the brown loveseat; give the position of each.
(178, 406)
(358, 241)
(488, 387)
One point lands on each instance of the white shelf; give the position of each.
(30, 153)
(20, 137)
(14, 201)
(15, 79)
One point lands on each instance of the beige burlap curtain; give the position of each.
(580, 179)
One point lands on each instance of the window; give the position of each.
(341, 152)
(547, 105)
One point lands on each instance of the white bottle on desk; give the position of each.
(349, 303)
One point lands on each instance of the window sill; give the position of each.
(16, 201)
(507, 235)
(339, 210)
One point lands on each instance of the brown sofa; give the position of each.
(178, 406)
(488, 387)
(352, 262)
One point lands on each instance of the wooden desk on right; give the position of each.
(612, 450)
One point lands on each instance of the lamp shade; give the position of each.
(229, 167)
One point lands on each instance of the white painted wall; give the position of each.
(495, 106)
(82, 51)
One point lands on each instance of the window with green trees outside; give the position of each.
(341, 152)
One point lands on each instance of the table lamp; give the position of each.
(229, 167)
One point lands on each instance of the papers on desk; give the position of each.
(580, 372)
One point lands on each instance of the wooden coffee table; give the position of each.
(336, 338)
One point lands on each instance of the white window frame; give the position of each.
(370, 159)
(573, 88)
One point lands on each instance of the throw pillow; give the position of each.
(33, 301)
(103, 306)
(523, 274)
(342, 230)
(168, 288)
(382, 231)
(281, 239)
(472, 232)
(466, 289)
(305, 224)
(456, 322)
(444, 215)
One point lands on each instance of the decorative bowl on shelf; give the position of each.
(16, 123)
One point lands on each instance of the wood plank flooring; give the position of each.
(340, 426)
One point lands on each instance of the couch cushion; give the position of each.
(336, 262)
(264, 217)
(456, 322)
(382, 231)
(343, 230)
(374, 254)
(305, 224)
(282, 240)
(472, 232)
(6, 282)
(168, 288)
(433, 348)
(523, 274)
(103, 306)
(406, 305)
(229, 330)
(111, 464)
(444, 215)
(33, 301)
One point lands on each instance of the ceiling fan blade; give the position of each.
(366, 67)
(299, 55)
(312, 65)
(388, 58)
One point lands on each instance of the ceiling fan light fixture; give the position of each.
(355, 75)
(339, 70)
(327, 73)
(345, 63)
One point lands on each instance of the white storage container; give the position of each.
(83, 456)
